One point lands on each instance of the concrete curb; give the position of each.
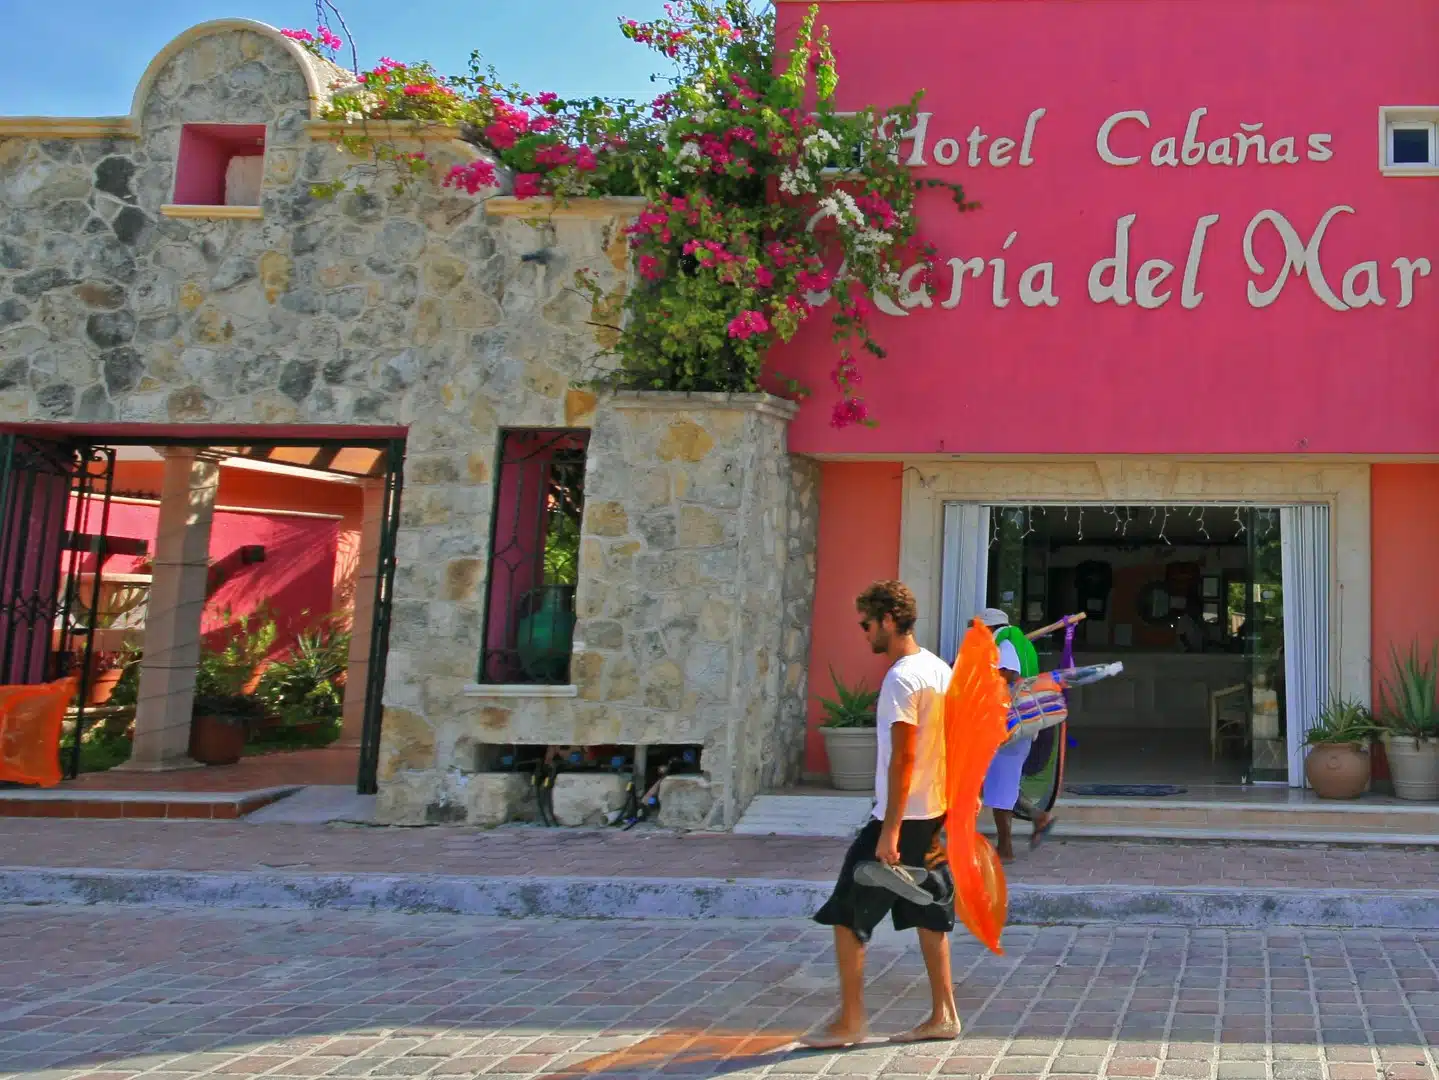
(694, 898)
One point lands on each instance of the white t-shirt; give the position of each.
(913, 693)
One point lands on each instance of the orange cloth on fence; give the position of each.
(31, 720)
(975, 711)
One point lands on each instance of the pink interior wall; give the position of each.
(1405, 586)
(859, 516)
(295, 578)
(302, 572)
(205, 153)
(1086, 377)
(274, 491)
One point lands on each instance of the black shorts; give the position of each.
(861, 907)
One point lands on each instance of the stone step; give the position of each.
(1267, 821)
(153, 805)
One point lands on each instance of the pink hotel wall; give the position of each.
(1222, 377)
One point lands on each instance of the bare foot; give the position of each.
(942, 1029)
(835, 1036)
(1006, 857)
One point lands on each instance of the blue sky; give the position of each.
(83, 58)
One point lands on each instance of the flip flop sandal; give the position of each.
(903, 881)
(1040, 835)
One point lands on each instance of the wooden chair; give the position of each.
(1227, 723)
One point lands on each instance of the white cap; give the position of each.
(993, 617)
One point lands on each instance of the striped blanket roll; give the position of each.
(1038, 702)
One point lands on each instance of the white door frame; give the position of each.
(929, 485)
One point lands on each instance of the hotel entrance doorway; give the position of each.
(1199, 602)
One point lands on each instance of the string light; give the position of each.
(1081, 524)
(1199, 516)
(1164, 525)
(1128, 517)
(1028, 513)
(1240, 528)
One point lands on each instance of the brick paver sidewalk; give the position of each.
(236, 846)
(103, 994)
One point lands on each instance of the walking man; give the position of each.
(896, 865)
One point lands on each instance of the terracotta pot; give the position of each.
(852, 754)
(102, 685)
(1337, 770)
(1414, 766)
(216, 741)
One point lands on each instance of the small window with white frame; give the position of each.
(1409, 140)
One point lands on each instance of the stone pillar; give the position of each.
(681, 633)
(176, 605)
(367, 569)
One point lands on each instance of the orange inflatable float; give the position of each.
(31, 720)
(976, 709)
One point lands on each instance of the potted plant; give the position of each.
(1410, 721)
(223, 712)
(849, 735)
(1338, 763)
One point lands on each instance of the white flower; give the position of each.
(867, 239)
(851, 210)
(796, 181)
(354, 115)
(820, 145)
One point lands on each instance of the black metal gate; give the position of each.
(367, 783)
(54, 515)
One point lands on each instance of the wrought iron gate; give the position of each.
(367, 783)
(54, 515)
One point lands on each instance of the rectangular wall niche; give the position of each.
(220, 165)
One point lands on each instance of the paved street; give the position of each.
(108, 994)
(238, 846)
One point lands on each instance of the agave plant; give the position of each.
(849, 708)
(1342, 721)
(1410, 692)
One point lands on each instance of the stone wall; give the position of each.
(783, 754)
(436, 312)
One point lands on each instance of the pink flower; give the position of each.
(748, 323)
(417, 90)
(501, 136)
(585, 160)
(387, 65)
(527, 185)
(471, 177)
(548, 98)
(650, 268)
(799, 306)
(814, 282)
(764, 277)
(553, 156)
(879, 207)
(329, 39)
(847, 412)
